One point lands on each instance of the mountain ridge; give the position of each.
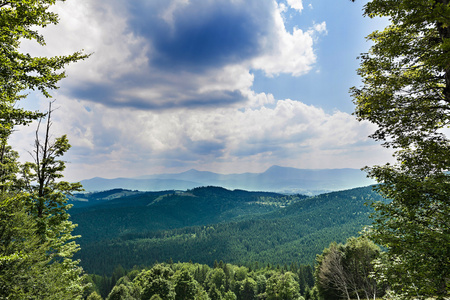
(212, 223)
(275, 179)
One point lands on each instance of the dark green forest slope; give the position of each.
(294, 233)
(111, 214)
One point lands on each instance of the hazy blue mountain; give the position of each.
(275, 179)
(103, 184)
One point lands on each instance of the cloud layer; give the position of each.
(170, 54)
(169, 87)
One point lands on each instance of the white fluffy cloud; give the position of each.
(112, 142)
(130, 67)
(296, 4)
(142, 105)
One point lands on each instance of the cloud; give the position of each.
(169, 86)
(170, 54)
(203, 34)
(113, 142)
(296, 4)
(291, 53)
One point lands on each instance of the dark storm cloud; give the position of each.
(202, 33)
(207, 147)
(109, 95)
(178, 54)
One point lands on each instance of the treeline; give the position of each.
(341, 271)
(292, 234)
(199, 281)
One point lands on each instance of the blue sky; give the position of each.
(229, 86)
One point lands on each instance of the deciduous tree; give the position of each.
(283, 286)
(406, 92)
(36, 248)
(344, 271)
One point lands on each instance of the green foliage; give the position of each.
(46, 193)
(248, 289)
(156, 281)
(185, 286)
(283, 286)
(312, 294)
(22, 257)
(344, 271)
(36, 243)
(120, 292)
(292, 234)
(94, 296)
(406, 92)
(36, 249)
(126, 212)
(20, 71)
(238, 283)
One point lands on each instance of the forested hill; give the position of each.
(293, 229)
(113, 213)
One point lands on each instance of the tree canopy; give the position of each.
(36, 243)
(343, 271)
(406, 92)
(196, 281)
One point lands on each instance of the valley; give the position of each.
(208, 224)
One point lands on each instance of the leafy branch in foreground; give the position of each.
(406, 92)
(36, 245)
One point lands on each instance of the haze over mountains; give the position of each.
(275, 179)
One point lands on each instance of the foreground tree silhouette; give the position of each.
(406, 92)
(36, 244)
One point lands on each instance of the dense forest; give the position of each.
(340, 271)
(295, 230)
(110, 214)
(198, 281)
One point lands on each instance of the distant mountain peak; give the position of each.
(195, 171)
(280, 168)
(275, 179)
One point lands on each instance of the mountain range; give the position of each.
(275, 179)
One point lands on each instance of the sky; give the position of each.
(228, 86)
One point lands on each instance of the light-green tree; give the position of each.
(406, 92)
(214, 293)
(120, 292)
(344, 271)
(22, 255)
(229, 295)
(185, 286)
(94, 296)
(123, 290)
(156, 281)
(283, 286)
(248, 289)
(46, 193)
(34, 263)
(20, 71)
